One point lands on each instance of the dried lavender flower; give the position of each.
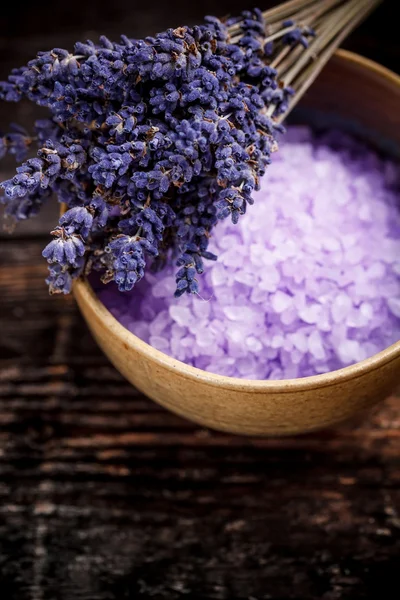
(149, 142)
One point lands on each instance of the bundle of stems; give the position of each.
(331, 22)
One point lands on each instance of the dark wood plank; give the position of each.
(104, 495)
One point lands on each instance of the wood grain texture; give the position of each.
(106, 496)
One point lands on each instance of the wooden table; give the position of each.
(106, 496)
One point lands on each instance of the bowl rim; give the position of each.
(85, 294)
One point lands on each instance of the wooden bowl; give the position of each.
(366, 95)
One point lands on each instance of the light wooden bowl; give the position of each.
(368, 96)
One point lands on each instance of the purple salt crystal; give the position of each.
(277, 341)
(331, 244)
(159, 323)
(307, 282)
(299, 341)
(269, 279)
(141, 329)
(280, 302)
(316, 346)
(341, 306)
(394, 306)
(289, 316)
(148, 312)
(253, 344)
(376, 271)
(164, 288)
(231, 258)
(350, 351)
(159, 343)
(219, 276)
(246, 278)
(276, 373)
(311, 313)
(202, 310)
(296, 356)
(360, 316)
(180, 315)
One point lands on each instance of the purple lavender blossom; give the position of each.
(154, 139)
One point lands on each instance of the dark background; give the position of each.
(26, 27)
(106, 496)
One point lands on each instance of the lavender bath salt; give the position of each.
(307, 282)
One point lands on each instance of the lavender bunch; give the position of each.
(149, 142)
